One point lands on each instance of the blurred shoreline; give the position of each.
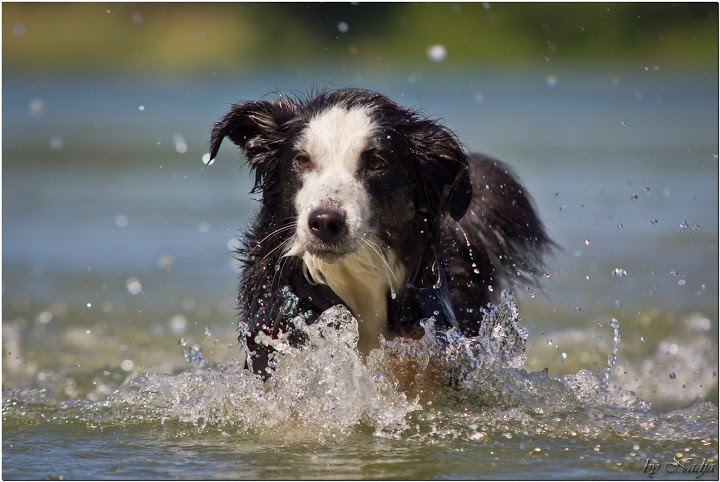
(220, 37)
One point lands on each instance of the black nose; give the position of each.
(327, 224)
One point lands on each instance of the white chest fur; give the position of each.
(362, 280)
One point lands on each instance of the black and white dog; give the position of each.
(371, 205)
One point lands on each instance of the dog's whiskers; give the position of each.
(282, 262)
(388, 270)
(279, 246)
(277, 231)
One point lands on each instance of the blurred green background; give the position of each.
(224, 36)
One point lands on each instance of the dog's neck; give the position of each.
(363, 281)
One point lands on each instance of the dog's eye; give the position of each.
(375, 163)
(303, 161)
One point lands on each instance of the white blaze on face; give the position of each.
(334, 140)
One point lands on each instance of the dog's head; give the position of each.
(349, 167)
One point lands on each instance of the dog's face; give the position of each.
(353, 188)
(353, 170)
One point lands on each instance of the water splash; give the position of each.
(441, 386)
(612, 358)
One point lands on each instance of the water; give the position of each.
(117, 241)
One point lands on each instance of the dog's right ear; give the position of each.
(246, 124)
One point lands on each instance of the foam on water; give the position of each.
(443, 385)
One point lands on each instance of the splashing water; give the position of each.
(443, 386)
(612, 357)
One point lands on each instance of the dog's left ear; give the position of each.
(444, 166)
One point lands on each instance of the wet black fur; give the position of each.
(472, 226)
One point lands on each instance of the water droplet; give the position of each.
(208, 334)
(45, 317)
(127, 365)
(89, 305)
(436, 53)
(587, 242)
(121, 220)
(619, 273)
(133, 286)
(56, 144)
(672, 375)
(564, 355)
(633, 196)
(206, 159)
(343, 27)
(165, 261)
(623, 123)
(612, 357)
(141, 108)
(180, 144)
(36, 107)
(549, 342)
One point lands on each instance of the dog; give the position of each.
(374, 206)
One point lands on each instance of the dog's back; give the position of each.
(499, 241)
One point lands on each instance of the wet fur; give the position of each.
(447, 225)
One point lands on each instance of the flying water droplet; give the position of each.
(612, 358)
(436, 53)
(133, 286)
(180, 144)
